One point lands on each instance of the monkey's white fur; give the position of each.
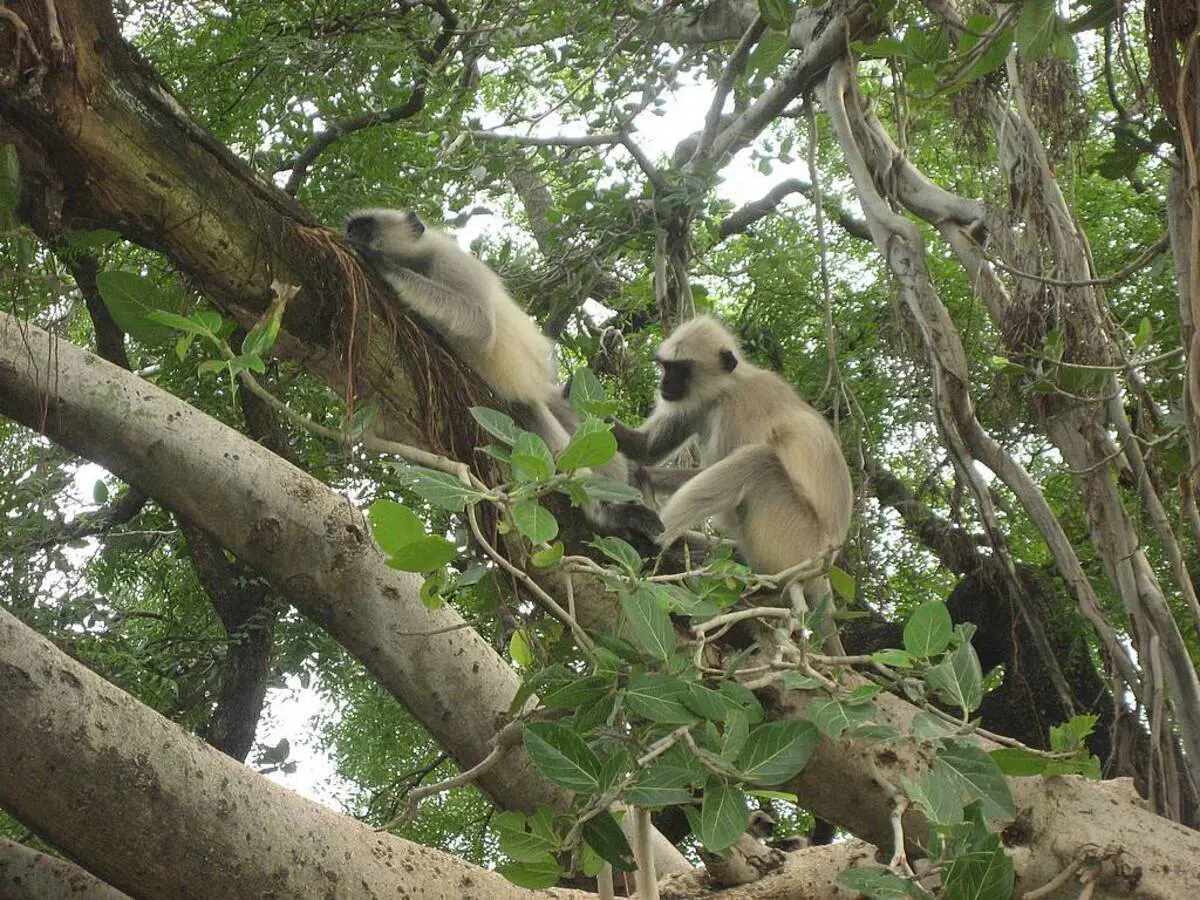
(465, 300)
(469, 306)
(773, 474)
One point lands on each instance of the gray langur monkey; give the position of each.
(772, 471)
(469, 306)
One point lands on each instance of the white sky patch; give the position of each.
(294, 713)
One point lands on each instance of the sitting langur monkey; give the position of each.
(772, 471)
(468, 305)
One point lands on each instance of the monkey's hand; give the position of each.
(626, 437)
(641, 520)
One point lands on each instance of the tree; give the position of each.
(990, 210)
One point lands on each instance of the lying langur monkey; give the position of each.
(772, 471)
(469, 306)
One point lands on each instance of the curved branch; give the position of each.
(406, 110)
(741, 219)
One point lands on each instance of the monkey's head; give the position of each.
(394, 233)
(698, 359)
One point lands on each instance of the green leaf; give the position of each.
(619, 552)
(591, 445)
(873, 733)
(544, 559)
(778, 14)
(723, 815)
(189, 324)
(864, 693)
(520, 844)
(605, 836)
(958, 679)
(431, 590)
(661, 784)
(794, 681)
(100, 492)
(261, 338)
(439, 488)
(130, 299)
(658, 698)
(737, 732)
(681, 601)
(777, 751)
(842, 583)
(424, 555)
(394, 525)
(531, 458)
(937, 797)
(895, 658)
(986, 872)
(928, 630)
(928, 727)
(977, 777)
(833, 717)
(94, 239)
(534, 521)
(10, 181)
(533, 875)
(519, 649)
(1036, 28)
(1018, 762)
(562, 756)
(744, 698)
(496, 423)
(883, 47)
(648, 623)
(766, 56)
(1070, 737)
(709, 704)
(877, 883)
(601, 487)
(576, 693)
(587, 394)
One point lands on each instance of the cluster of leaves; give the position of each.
(631, 719)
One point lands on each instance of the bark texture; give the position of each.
(81, 756)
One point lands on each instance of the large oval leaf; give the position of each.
(778, 750)
(562, 756)
(723, 815)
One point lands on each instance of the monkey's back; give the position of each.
(811, 493)
(517, 363)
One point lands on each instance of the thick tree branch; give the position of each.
(311, 544)
(741, 219)
(28, 874)
(194, 824)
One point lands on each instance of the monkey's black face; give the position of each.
(676, 378)
(371, 230)
(362, 229)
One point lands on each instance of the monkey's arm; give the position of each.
(715, 489)
(457, 315)
(658, 436)
(657, 480)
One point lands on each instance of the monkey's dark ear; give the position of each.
(728, 360)
(415, 223)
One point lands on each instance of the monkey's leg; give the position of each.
(664, 479)
(811, 594)
(716, 489)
